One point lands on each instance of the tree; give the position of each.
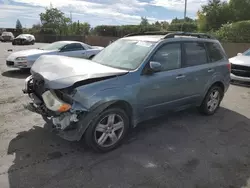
(234, 32)
(144, 24)
(53, 20)
(144, 21)
(213, 15)
(78, 28)
(18, 24)
(164, 25)
(187, 24)
(240, 9)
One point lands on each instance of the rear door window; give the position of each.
(195, 54)
(215, 52)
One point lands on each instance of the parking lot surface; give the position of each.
(183, 149)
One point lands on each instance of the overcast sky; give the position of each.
(97, 12)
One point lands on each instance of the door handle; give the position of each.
(180, 76)
(210, 70)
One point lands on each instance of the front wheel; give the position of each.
(91, 57)
(107, 130)
(212, 101)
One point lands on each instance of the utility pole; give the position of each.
(185, 11)
(71, 17)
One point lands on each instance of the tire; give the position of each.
(95, 131)
(208, 109)
(91, 57)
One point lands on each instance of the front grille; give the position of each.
(20, 41)
(240, 70)
(9, 63)
(6, 37)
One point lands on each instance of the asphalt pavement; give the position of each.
(184, 149)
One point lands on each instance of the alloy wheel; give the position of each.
(213, 100)
(109, 130)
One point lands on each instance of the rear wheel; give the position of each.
(212, 101)
(108, 130)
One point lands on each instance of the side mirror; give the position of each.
(155, 66)
(238, 54)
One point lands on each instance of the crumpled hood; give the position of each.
(25, 53)
(240, 60)
(60, 71)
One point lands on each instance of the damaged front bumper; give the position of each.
(69, 125)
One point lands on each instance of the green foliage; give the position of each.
(213, 15)
(240, 9)
(78, 28)
(187, 24)
(18, 24)
(120, 31)
(234, 32)
(54, 22)
(144, 22)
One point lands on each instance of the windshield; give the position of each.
(124, 54)
(23, 35)
(247, 53)
(53, 46)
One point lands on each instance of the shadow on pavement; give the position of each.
(183, 150)
(17, 73)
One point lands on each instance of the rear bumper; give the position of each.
(239, 78)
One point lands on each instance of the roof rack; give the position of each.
(149, 33)
(172, 34)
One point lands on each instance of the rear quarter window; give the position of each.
(215, 52)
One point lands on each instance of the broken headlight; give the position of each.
(53, 103)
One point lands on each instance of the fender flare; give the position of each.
(85, 121)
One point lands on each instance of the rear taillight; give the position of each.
(229, 67)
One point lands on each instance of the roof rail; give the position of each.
(172, 34)
(188, 34)
(149, 33)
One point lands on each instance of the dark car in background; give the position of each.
(24, 39)
(7, 37)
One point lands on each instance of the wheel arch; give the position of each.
(220, 84)
(215, 83)
(98, 108)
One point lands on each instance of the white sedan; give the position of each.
(26, 58)
(240, 67)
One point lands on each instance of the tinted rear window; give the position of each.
(195, 54)
(214, 51)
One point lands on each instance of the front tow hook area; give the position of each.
(24, 91)
(33, 108)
